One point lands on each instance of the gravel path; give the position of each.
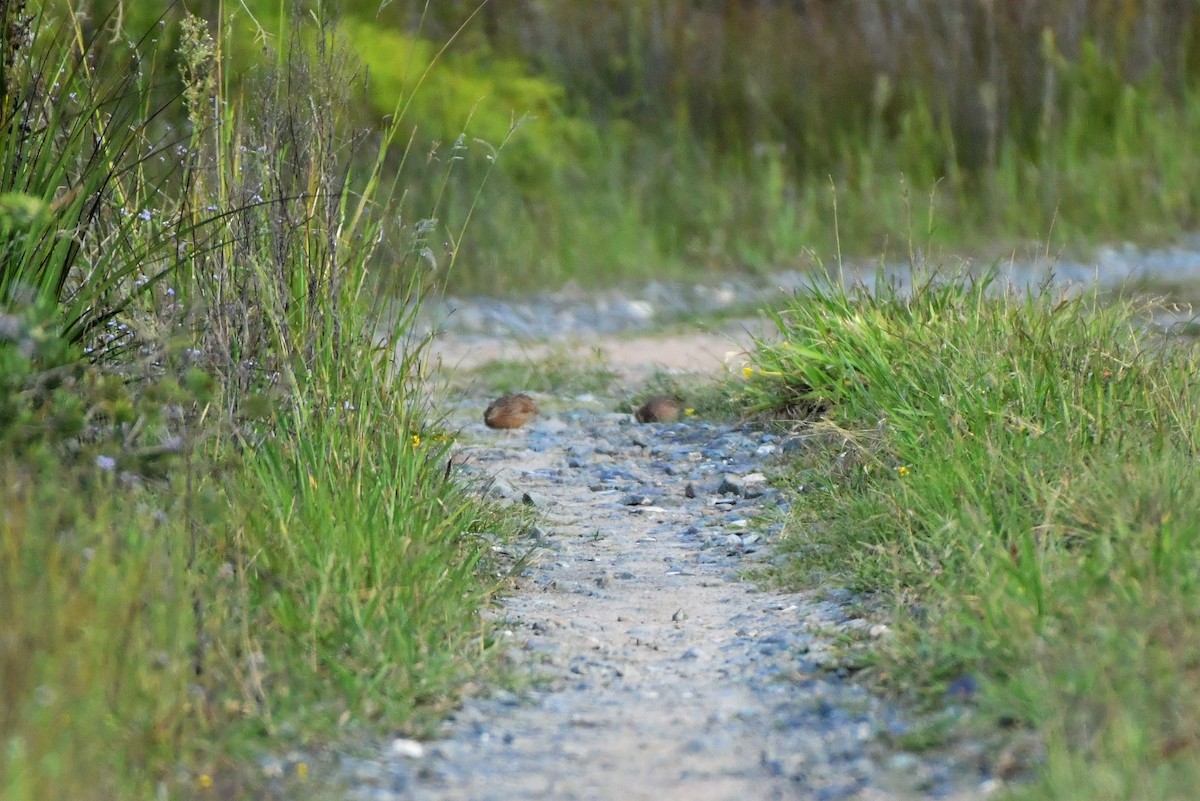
(663, 672)
(572, 313)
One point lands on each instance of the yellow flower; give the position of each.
(902, 471)
(747, 371)
(689, 412)
(416, 440)
(205, 781)
(302, 770)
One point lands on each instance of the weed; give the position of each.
(1021, 475)
(229, 521)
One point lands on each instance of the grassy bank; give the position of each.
(1015, 472)
(227, 521)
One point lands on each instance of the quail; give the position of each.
(659, 409)
(510, 411)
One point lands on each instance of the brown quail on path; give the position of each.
(510, 411)
(659, 409)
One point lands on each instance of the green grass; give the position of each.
(1016, 472)
(376, 618)
(558, 371)
(95, 652)
(228, 522)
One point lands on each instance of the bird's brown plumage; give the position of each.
(510, 411)
(659, 409)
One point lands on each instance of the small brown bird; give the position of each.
(510, 411)
(659, 409)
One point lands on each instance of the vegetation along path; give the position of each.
(660, 671)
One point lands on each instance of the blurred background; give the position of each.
(629, 139)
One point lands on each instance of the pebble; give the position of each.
(499, 489)
(407, 748)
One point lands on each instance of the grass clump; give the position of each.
(354, 507)
(227, 519)
(1016, 470)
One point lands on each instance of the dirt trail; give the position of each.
(661, 671)
(635, 357)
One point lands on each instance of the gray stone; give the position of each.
(500, 489)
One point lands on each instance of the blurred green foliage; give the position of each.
(480, 96)
(668, 137)
(717, 135)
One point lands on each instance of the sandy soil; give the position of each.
(699, 351)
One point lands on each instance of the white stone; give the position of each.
(407, 748)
